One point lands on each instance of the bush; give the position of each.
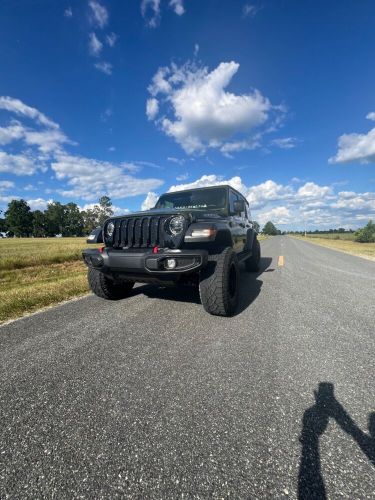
(366, 234)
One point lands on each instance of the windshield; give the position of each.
(213, 199)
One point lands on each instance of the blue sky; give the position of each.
(133, 98)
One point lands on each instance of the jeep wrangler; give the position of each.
(197, 237)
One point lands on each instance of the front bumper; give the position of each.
(144, 262)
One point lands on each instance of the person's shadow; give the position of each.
(314, 423)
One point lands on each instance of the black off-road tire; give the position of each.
(219, 283)
(105, 288)
(252, 264)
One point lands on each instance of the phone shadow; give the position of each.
(314, 423)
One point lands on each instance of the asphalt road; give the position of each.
(150, 397)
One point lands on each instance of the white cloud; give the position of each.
(38, 204)
(11, 133)
(111, 39)
(95, 45)
(258, 196)
(152, 108)
(116, 210)
(278, 215)
(89, 179)
(150, 10)
(312, 190)
(17, 164)
(179, 161)
(104, 67)
(68, 12)
(99, 14)
(356, 147)
(150, 201)
(289, 205)
(205, 115)
(177, 6)
(250, 10)
(4, 185)
(285, 142)
(234, 147)
(182, 177)
(196, 49)
(211, 180)
(19, 108)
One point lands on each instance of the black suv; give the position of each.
(196, 236)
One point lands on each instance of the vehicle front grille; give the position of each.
(139, 232)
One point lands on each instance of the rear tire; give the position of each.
(105, 288)
(218, 285)
(252, 264)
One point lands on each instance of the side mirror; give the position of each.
(239, 206)
(95, 236)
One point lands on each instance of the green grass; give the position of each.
(366, 250)
(18, 253)
(39, 272)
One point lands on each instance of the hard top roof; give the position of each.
(227, 186)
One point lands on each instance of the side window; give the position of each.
(232, 198)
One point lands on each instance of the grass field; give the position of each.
(38, 272)
(333, 236)
(366, 250)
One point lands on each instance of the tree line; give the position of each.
(67, 220)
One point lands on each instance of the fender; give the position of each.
(251, 235)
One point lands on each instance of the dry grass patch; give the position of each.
(17, 253)
(29, 289)
(366, 250)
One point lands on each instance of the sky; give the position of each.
(134, 98)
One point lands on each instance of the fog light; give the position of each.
(170, 263)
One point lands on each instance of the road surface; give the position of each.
(150, 397)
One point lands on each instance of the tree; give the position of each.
(270, 229)
(19, 218)
(256, 226)
(105, 209)
(73, 220)
(54, 214)
(39, 224)
(366, 234)
(90, 219)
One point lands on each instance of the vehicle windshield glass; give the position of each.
(212, 199)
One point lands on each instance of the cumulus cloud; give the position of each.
(99, 14)
(150, 201)
(203, 113)
(356, 147)
(17, 164)
(288, 205)
(104, 67)
(152, 108)
(38, 203)
(95, 45)
(89, 178)
(4, 185)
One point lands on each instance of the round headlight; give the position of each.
(110, 229)
(176, 224)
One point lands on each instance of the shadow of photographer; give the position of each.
(314, 423)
